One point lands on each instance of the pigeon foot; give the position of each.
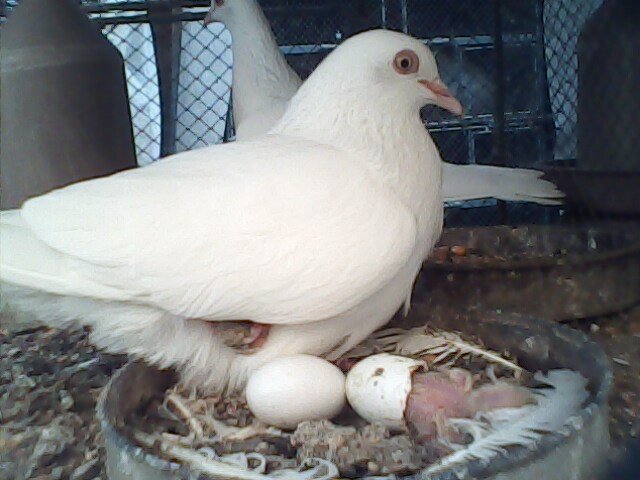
(244, 336)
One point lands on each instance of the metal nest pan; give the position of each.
(539, 345)
(551, 272)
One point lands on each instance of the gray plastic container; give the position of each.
(64, 107)
(608, 79)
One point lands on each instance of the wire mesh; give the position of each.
(204, 85)
(563, 20)
(135, 44)
(512, 63)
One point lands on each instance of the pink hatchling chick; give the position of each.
(438, 396)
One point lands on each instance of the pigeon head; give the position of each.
(376, 74)
(399, 64)
(218, 11)
(225, 10)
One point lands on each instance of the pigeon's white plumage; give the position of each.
(263, 83)
(318, 228)
(261, 222)
(473, 182)
(260, 94)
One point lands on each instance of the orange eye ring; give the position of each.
(406, 62)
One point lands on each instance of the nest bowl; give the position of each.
(577, 451)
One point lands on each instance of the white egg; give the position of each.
(292, 389)
(378, 386)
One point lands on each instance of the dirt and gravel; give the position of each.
(50, 381)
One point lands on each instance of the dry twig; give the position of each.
(236, 466)
(417, 342)
(185, 413)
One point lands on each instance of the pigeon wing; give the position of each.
(276, 231)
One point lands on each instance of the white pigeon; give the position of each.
(263, 82)
(260, 94)
(314, 232)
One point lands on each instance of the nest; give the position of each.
(218, 436)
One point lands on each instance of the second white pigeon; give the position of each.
(263, 83)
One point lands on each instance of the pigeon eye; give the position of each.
(219, 3)
(406, 62)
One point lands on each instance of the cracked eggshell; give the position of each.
(294, 389)
(377, 388)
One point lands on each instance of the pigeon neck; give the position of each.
(352, 119)
(260, 71)
(387, 136)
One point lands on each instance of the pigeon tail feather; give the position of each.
(473, 182)
(28, 262)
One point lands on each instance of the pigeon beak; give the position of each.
(443, 97)
(209, 17)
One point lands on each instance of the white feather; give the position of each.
(473, 182)
(263, 83)
(494, 431)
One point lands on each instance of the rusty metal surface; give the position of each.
(551, 272)
(537, 344)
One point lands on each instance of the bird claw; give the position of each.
(258, 334)
(245, 337)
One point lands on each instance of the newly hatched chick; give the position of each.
(397, 391)
(438, 396)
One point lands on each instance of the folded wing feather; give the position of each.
(220, 235)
